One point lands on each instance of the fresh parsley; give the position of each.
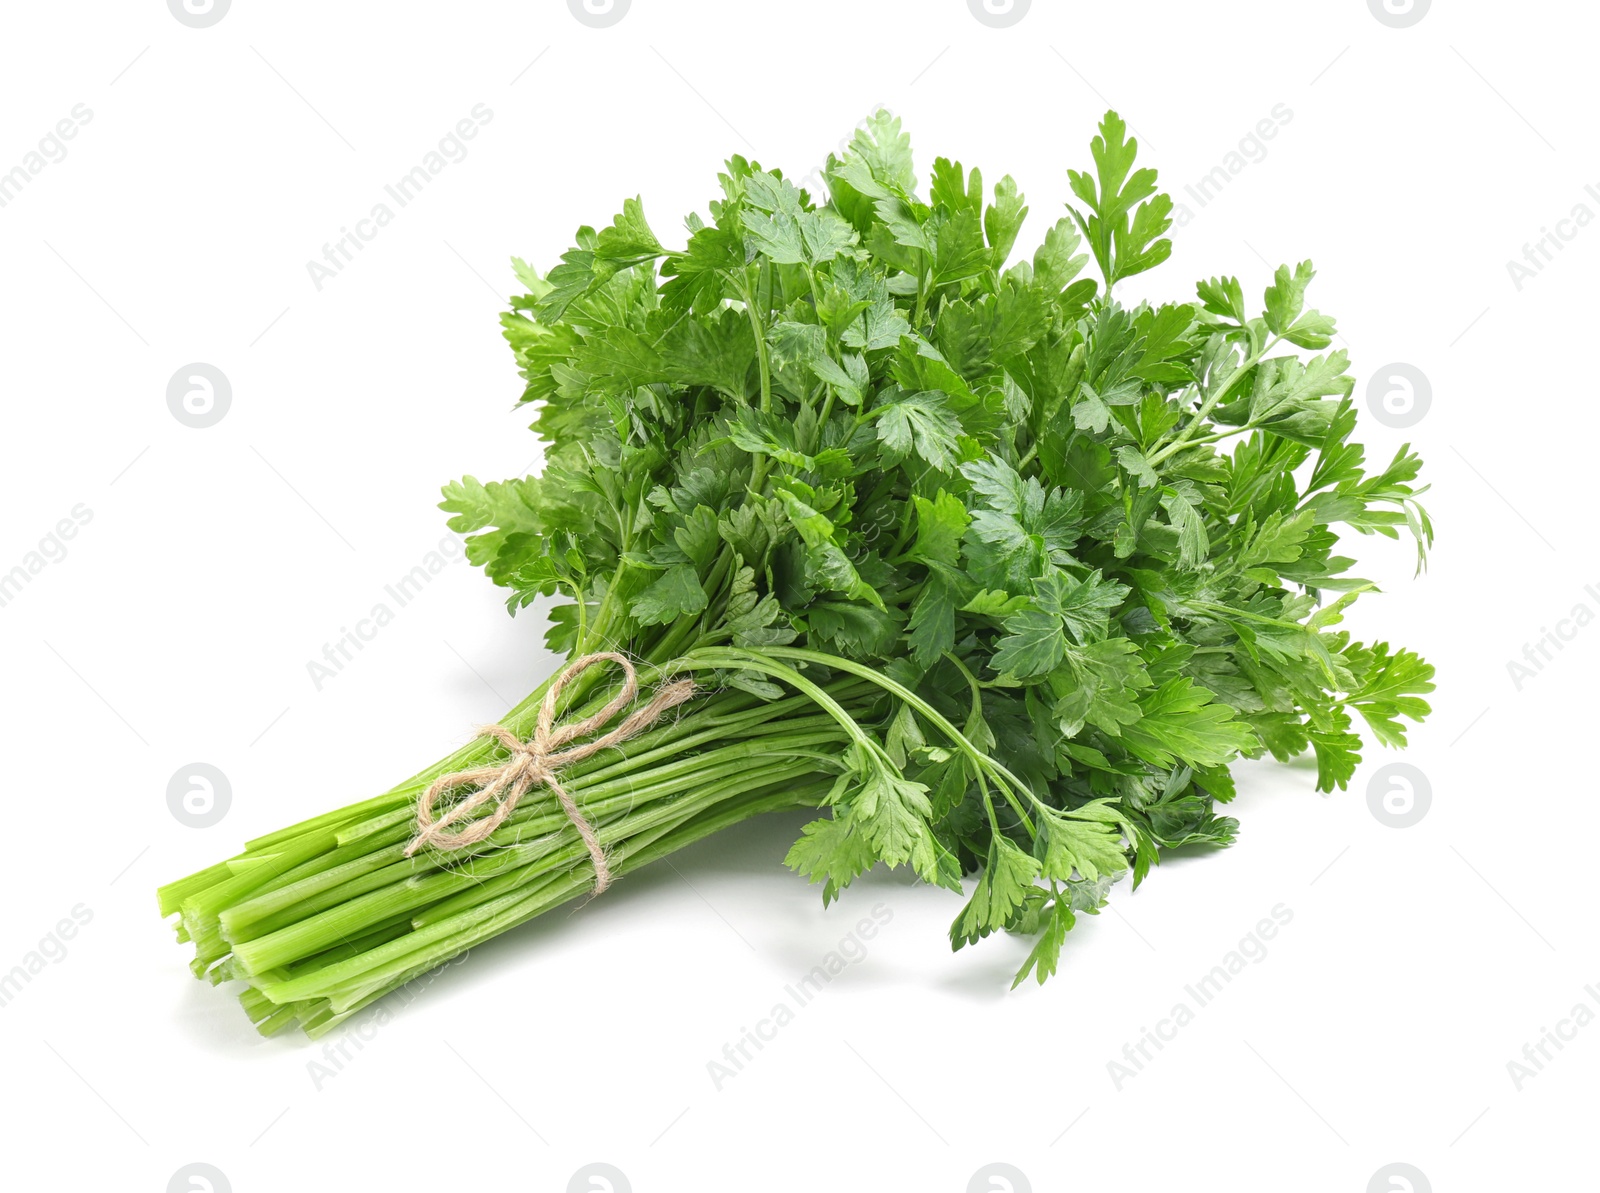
(999, 574)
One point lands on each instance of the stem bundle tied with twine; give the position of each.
(537, 762)
(994, 699)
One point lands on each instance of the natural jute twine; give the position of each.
(537, 761)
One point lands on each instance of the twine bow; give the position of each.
(537, 761)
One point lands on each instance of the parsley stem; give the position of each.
(827, 408)
(972, 682)
(328, 915)
(1210, 403)
(763, 361)
(983, 761)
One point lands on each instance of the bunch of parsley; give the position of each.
(999, 573)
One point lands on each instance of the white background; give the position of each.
(218, 561)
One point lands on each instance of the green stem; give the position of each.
(1210, 403)
(827, 408)
(763, 361)
(1005, 780)
(381, 968)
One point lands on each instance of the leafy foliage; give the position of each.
(1080, 552)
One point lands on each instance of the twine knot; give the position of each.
(537, 762)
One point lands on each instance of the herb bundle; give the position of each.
(997, 573)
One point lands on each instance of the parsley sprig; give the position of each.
(998, 573)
